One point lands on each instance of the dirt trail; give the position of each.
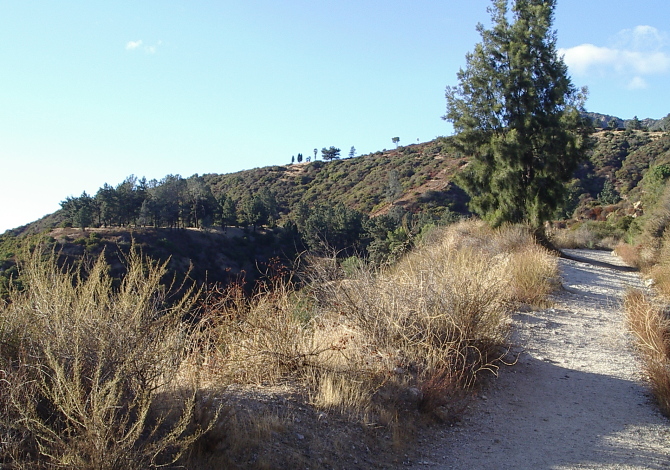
(574, 400)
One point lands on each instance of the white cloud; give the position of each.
(637, 52)
(641, 38)
(132, 45)
(587, 59)
(637, 83)
(149, 49)
(580, 59)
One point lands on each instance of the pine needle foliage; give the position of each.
(516, 111)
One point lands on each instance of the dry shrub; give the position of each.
(629, 254)
(579, 237)
(650, 325)
(534, 274)
(377, 345)
(84, 365)
(265, 338)
(435, 320)
(660, 270)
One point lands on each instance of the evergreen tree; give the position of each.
(330, 153)
(269, 203)
(609, 194)
(300, 158)
(146, 216)
(352, 152)
(200, 202)
(228, 211)
(80, 210)
(107, 200)
(516, 111)
(634, 124)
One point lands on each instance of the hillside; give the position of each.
(372, 205)
(361, 183)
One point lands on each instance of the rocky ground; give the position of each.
(575, 398)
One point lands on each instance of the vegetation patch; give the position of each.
(104, 374)
(650, 323)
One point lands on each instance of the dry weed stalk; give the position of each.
(650, 325)
(433, 321)
(85, 365)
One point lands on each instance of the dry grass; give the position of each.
(652, 259)
(580, 237)
(629, 254)
(88, 368)
(412, 336)
(534, 275)
(84, 366)
(587, 234)
(650, 324)
(660, 270)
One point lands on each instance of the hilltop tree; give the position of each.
(395, 140)
(200, 204)
(516, 111)
(331, 153)
(634, 124)
(107, 200)
(352, 152)
(80, 210)
(300, 158)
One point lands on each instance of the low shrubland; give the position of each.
(96, 375)
(591, 234)
(380, 346)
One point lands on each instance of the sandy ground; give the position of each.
(575, 399)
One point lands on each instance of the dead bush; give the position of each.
(650, 325)
(85, 364)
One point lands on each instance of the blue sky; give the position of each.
(91, 92)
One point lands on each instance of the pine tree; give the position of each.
(331, 153)
(517, 113)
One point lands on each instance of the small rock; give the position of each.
(299, 436)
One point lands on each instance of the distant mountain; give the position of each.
(603, 121)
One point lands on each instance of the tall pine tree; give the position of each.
(517, 113)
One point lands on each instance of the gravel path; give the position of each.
(575, 398)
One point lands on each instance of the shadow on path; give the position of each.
(583, 259)
(581, 424)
